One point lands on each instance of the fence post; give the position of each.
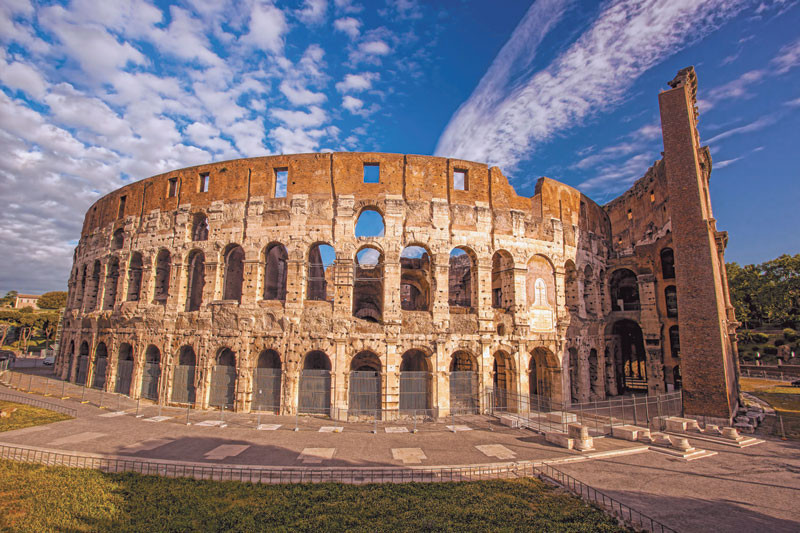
(296, 415)
(46, 382)
(187, 414)
(622, 402)
(30, 382)
(83, 393)
(137, 406)
(63, 389)
(635, 419)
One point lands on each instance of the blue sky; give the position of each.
(96, 94)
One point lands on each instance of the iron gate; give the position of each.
(99, 380)
(463, 392)
(183, 390)
(267, 389)
(83, 366)
(124, 373)
(150, 375)
(315, 392)
(415, 391)
(365, 393)
(223, 385)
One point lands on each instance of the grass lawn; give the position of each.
(38, 498)
(26, 416)
(785, 400)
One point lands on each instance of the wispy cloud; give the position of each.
(756, 125)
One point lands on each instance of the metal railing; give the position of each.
(769, 374)
(34, 402)
(624, 512)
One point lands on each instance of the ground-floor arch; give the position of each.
(315, 384)
(223, 380)
(631, 362)
(267, 382)
(151, 373)
(463, 383)
(183, 380)
(83, 364)
(100, 366)
(415, 383)
(504, 381)
(124, 369)
(364, 395)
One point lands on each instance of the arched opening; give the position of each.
(368, 285)
(81, 287)
(540, 388)
(624, 290)
(94, 287)
(100, 366)
(197, 280)
(315, 384)
(415, 383)
(571, 287)
(667, 263)
(71, 362)
(364, 396)
(321, 258)
(135, 277)
(610, 374)
(589, 291)
(540, 293)
(151, 373)
(463, 383)
(124, 369)
(632, 365)
(200, 227)
(674, 342)
(574, 376)
(112, 279)
(267, 382)
(118, 239)
(183, 388)
(677, 380)
(83, 364)
(234, 273)
(415, 279)
(223, 380)
(503, 280)
(461, 279)
(163, 267)
(503, 380)
(369, 224)
(275, 258)
(594, 375)
(671, 300)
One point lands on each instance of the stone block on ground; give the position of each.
(510, 421)
(561, 417)
(674, 423)
(629, 432)
(559, 439)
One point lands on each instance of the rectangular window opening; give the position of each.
(460, 182)
(281, 179)
(122, 200)
(173, 188)
(652, 197)
(204, 182)
(372, 173)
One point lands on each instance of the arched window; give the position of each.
(502, 280)
(100, 365)
(81, 288)
(571, 286)
(94, 287)
(151, 373)
(197, 280)
(321, 258)
(671, 299)
(674, 342)
(461, 279)
(624, 291)
(275, 258)
(200, 227)
(112, 278)
(540, 295)
(463, 383)
(234, 273)
(118, 239)
(163, 267)
(589, 290)
(135, 277)
(667, 263)
(315, 384)
(368, 285)
(415, 383)
(415, 279)
(369, 224)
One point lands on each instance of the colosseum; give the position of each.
(374, 284)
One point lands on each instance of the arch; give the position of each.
(589, 291)
(540, 293)
(183, 387)
(667, 263)
(100, 366)
(118, 239)
(196, 280)
(94, 287)
(81, 287)
(200, 227)
(223, 379)
(370, 223)
(151, 373)
(574, 375)
(541, 386)
(83, 364)
(504, 381)
(163, 268)
(234, 273)
(674, 342)
(267, 382)
(112, 280)
(595, 377)
(415, 279)
(624, 290)
(677, 379)
(71, 360)
(503, 280)
(364, 395)
(275, 269)
(631, 361)
(415, 382)
(463, 383)
(321, 259)
(124, 369)
(135, 267)
(368, 285)
(462, 278)
(315, 384)
(671, 301)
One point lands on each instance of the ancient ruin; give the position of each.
(244, 284)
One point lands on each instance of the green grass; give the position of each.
(26, 416)
(38, 499)
(785, 400)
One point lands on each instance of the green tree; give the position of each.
(9, 299)
(52, 300)
(766, 293)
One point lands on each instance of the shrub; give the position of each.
(789, 334)
(779, 342)
(769, 349)
(758, 338)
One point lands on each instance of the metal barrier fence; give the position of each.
(183, 389)
(415, 390)
(599, 416)
(267, 389)
(620, 510)
(315, 392)
(768, 374)
(34, 402)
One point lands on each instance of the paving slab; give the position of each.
(409, 456)
(76, 438)
(316, 455)
(497, 451)
(223, 451)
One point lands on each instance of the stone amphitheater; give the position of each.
(373, 284)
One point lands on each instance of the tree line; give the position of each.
(25, 323)
(767, 293)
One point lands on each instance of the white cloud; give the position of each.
(296, 141)
(756, 125)
(348, 6)
(788, 57)
(352, 104)
(299, 95)
(722, 164)
(313, 12)
(299, 119)
(793, 103)
(267, 28)
(504, 120)
(24, 77)
(377, 48)
(348, 25)
(356, 83)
